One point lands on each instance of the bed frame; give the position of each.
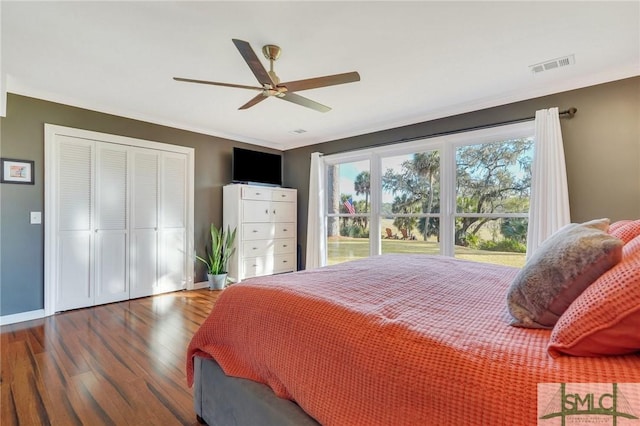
(220, 400)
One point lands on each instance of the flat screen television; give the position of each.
(255, 167)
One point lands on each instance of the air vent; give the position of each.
(553, 64)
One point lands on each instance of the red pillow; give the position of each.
(631, 248)
(615, 225)
(605, 318)
(626, 230)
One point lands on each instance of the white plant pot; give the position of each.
(217, 281)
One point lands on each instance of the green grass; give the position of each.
(343, 249)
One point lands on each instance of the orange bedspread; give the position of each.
(393, 340)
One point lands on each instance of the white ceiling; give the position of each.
(418, 60)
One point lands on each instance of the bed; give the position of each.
(412, 340)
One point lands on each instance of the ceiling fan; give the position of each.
(270, 84)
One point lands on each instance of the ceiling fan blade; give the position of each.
(314, 83)
(301, 100)
(215, 83)
(253, 101)
(254, 63)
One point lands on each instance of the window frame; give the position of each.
(447, 146)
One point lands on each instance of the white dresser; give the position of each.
(266, 219)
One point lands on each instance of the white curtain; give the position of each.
(549, 205)
(316, 234)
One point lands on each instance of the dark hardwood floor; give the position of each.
(116, 364)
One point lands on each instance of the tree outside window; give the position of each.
(486, 186)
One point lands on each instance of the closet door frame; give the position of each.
(52, 132)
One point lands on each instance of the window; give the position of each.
(349, 207)
(493, 182)
(411, 203)
(463, 195)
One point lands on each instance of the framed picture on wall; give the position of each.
(16, 171)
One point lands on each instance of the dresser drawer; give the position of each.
(285, 230)
(284, 263)
(260, 231)
(284, 245)
(257, 266)
(251, 193)
(252, 248)
(267, 265)
(283, 195)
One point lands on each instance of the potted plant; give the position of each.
(217, 258)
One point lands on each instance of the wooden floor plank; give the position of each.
(54, 402)
(22, 379)
(122, 363)
(8, 411)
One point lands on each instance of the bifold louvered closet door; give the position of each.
(158, 221)
(119, 219)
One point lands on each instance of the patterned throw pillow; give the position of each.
(605, 318)
(563, 267)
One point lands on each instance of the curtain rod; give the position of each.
(568, 113)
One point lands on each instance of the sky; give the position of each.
(349, 171)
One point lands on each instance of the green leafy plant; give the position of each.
(221, 249)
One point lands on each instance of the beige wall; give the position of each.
(602, 148)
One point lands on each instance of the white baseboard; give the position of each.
(201, 284)
(22, 316)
